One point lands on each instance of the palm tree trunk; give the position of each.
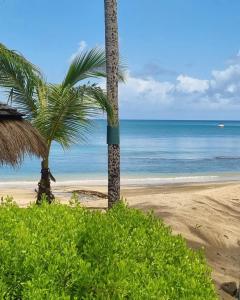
(44, 185)
(112, 58)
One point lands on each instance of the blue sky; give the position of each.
(183, 55)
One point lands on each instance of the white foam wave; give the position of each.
(125, 181)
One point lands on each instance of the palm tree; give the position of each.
(112, 60)
(64, 116)
(61, 112)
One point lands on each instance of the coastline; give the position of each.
(126, 180)
(206, 214)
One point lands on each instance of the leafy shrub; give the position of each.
(61, 252)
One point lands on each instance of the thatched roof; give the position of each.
(9, 113)
(18, 137)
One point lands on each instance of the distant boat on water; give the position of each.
(221, 125)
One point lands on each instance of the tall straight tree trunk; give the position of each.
(44, 185)
(112, 58)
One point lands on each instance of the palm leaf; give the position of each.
(67, 117)
(97, 98)
(86, 65)
(89, 64)
(19, 79)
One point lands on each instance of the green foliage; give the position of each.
(89, 64)
(86, 65)
(19, 79)
(67, 252)
(74, 201)
(65, 117)
(7, 201)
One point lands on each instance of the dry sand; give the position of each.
(207, 215)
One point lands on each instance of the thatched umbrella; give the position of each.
(18, 137)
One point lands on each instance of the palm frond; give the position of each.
(19, 78)
(20, 59)
(89, 64)
(86, 65)
(67, 117)
(97, 99)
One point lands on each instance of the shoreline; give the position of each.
(186, 179)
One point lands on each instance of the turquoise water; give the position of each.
(163, 150)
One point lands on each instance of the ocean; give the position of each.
(151, 152)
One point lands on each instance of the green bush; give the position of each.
(61, 252)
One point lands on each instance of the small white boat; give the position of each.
(221, 125)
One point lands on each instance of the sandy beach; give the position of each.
(207, 216)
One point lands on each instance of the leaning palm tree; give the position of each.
(112, 58)
(64, 116)
(63, 112)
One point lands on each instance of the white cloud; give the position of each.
(188, 84)
(186, 97)
(231, 88)
(227, 82)
(230, 73)
(82, 45)
(146, 88)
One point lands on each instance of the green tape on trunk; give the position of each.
(113, 135)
